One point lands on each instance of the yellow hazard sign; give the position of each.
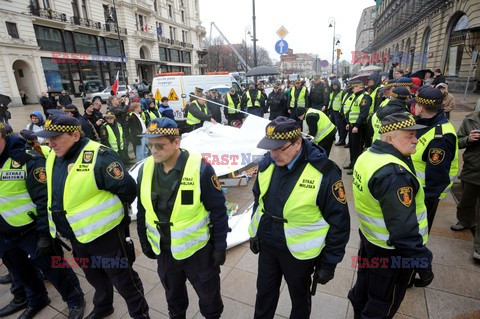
(158, 96)
(172, 96)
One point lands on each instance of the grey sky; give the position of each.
(305, 20)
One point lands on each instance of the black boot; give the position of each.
(31, 312)
(77, 311)
(93, 315)
(18, 303)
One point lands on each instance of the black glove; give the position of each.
(219, 256)
(45, 245)
(148, 251)
(426, 277)
(255, 245)
(324, 273)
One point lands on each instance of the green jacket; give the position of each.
(471, 164)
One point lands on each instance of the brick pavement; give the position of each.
(455, 292)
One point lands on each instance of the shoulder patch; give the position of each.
(87, 157)
(404, 195)
(338, 191)
(115, 170)
(216, 182)
(15, 164)
(40, 174)
(364, 102)
(104, 132)
(436, 155)
(326, 90)
(379, 95)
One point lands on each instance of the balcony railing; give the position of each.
(110, 27)
(145, 35)
(48, 14)
(86, 23)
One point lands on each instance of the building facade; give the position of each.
(365, 34)
(304, 64)
(432, 34)
(50, 45)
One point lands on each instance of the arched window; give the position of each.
(425, 46)
(455, 46)
(142, 53)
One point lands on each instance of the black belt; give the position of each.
(276, 219)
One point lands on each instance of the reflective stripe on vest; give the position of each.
(355, 109)
(257, 100)
(112, 138)
(305, 228)
(189, 223)
(348, 103)
(15, 202)
(301, 97)
(90, 212)
(324, 125)
(336, 103)
(423, 142)
(372, 223)
(191, 119)
(231, 105)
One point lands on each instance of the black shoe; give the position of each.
(346, 146)
(17, 304)
(105, 314)
(77, 311)
(349, 166)
(5, 279)
(350, 172)
(340, 143)
(31, 312)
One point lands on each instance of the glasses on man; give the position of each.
(282, 149)
(157, 146)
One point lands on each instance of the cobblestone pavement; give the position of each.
(454, 293)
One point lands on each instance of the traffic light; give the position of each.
(339, 51)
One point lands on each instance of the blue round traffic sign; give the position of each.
(281, 46)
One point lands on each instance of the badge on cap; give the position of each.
(153, 126)
(87, 157)
(115, 170)
(270, 130)
(48, 123)
(40, 174)
(436, 156)
(216, 183)
(338, 191)
(405, 195)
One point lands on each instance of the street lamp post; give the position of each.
(247, 31)
(122, 55)
(337, 42)
(331, 22)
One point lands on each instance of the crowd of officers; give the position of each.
(79, 189)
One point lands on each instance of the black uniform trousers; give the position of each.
(340, 123)
(327, 142)
(431, 205)
(272, 264)
(378, 292)
(103, 279)
(355, 142)
(15, 251)
(204, 277)
(368, 136)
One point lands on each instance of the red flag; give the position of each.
(115, 85)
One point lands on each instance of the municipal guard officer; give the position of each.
(23, 224)
(335, 105)
(112, 135)
(182, 220)
(357, 121)
(198, 111)
(234, 104)
(373, 88)
(253, 100)
(347, 98)
(436, 159)
(389, 201)
(397, 103)
(298, 98)
(88, 189)
(300, 224)
(319, 126)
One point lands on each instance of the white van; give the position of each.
(176, 87)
